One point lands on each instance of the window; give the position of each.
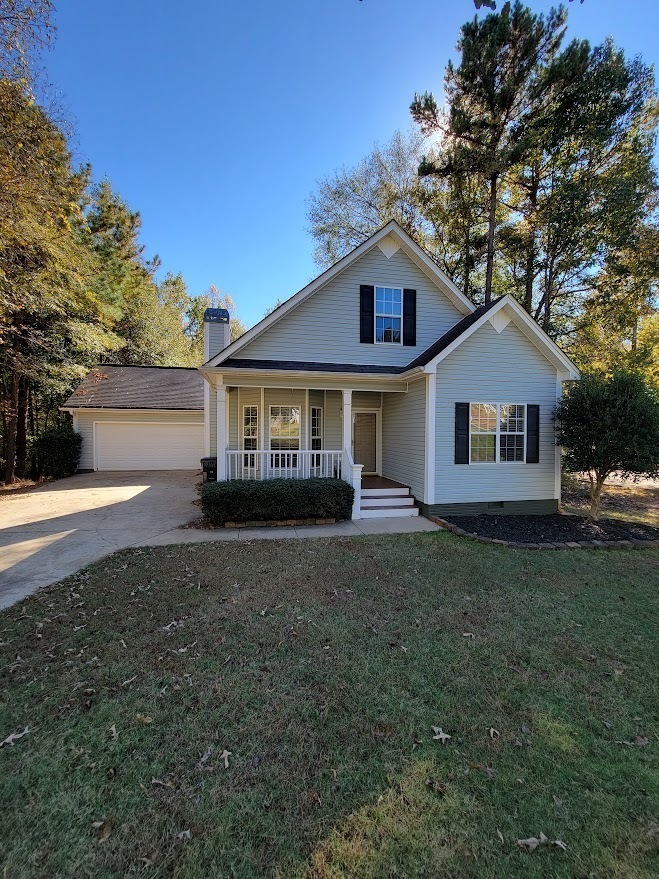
(284, 435)
(389, 315)
(497, 432)
(511, 432)
(316, 438)
(250, 433)
(316, 428)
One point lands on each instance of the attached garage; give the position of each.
(124, 445)
(140, 418)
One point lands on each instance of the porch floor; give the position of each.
(381, 482)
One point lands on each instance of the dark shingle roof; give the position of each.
(139, 387)
(310, 366)
(454, 333)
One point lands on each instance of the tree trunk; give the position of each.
(467, 248)
(530, 249)
(12, 424)
(490, 238)
(21, 428)
(596, 484)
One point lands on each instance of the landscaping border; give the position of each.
(515, 544)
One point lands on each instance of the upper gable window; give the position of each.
(389, 315)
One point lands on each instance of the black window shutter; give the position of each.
(533, 434)
(462, 433)
(366, 313)
(409, 317)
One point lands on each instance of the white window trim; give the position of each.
(376, 315)
(497, 459)
(282, 406)
(322, 426)
(244, 436)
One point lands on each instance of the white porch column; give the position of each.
(222, 426)
(347, 420)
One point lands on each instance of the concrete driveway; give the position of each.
(52, 532)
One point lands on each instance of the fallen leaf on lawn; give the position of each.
(618, 672)
(557, 800)
(500, 835)
(468, 635)
(113, 731)
(559, 844)
(143, 718)
(14, 737)
(185, 834)
(490, 771)
(205, 757)
(532, 843)
(436, 786)
(641, 741)
(440, 735)
(494, 733)
(160, 783)
(225, 756)
(104, 829)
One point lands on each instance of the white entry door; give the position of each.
(148, 446)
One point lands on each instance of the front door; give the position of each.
(365, 433)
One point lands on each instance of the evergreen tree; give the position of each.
(495, 96)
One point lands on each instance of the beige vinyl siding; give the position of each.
(366, 400)
(325, 327)
(404, 437)
(491, 367)
(86, 425)
(334, 420)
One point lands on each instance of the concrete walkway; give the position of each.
(355, 528)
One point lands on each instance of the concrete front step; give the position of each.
(388, 512)
(385, 492)
(387, 501)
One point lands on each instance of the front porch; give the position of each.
(302, 433)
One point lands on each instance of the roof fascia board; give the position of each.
(93, 409)
(526, 324)
(461, 302)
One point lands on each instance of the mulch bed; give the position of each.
(556, 528)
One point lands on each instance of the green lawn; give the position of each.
(322, 666)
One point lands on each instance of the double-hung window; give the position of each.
(497, 432)
(284, 435)
(316, 435)
(250, 434)
(389, 315)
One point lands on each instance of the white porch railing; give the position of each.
(260, 464)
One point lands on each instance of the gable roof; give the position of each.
(139, 387)
(393, 229)
(429, 359)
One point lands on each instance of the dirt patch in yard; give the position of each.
(557, 528)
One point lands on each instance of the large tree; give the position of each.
(50, 316)
(495, 96)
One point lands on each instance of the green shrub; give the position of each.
(276, 499)
(57, 451)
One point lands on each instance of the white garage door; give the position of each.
(144, 446)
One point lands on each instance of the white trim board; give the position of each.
(523, 322)
(392, 229)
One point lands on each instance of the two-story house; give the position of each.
(379, 371)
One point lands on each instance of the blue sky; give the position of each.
(216, 119)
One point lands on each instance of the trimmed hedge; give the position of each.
(57, 451)
(276, 500)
